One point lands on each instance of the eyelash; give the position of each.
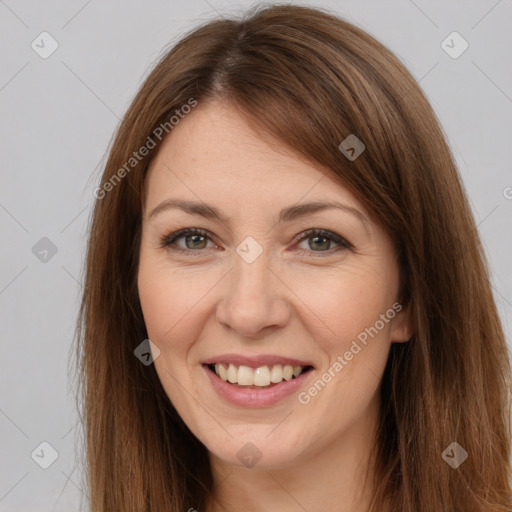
(167, 241)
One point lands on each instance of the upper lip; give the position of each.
(256, 361)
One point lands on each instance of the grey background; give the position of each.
(58, 117)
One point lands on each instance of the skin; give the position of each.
(303, 297)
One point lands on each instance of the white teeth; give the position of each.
(276, 375)
(287, 372)
(262, 376)
(221, 371)
(232, 374)
(245, 376)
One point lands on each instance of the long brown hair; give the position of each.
(308, 79)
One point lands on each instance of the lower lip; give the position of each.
(251, 397)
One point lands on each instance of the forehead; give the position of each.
(213, 155)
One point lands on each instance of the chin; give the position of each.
(257, 451)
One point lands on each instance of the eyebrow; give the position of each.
(286, 215)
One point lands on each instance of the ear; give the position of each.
(402, 327)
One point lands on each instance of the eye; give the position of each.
(320, 240)
(194, 239)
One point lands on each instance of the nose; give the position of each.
(255, 299)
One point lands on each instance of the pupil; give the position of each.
(326, 241)
(324, 245)
(194, 237)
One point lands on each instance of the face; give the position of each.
(297, 303)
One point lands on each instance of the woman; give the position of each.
(287, 306)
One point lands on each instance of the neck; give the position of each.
(338, 475)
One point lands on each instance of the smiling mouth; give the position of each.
(257, 378)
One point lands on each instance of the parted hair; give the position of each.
(308, 79)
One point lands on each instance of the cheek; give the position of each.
(342, 304)
(344, 316)
(171, 300)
